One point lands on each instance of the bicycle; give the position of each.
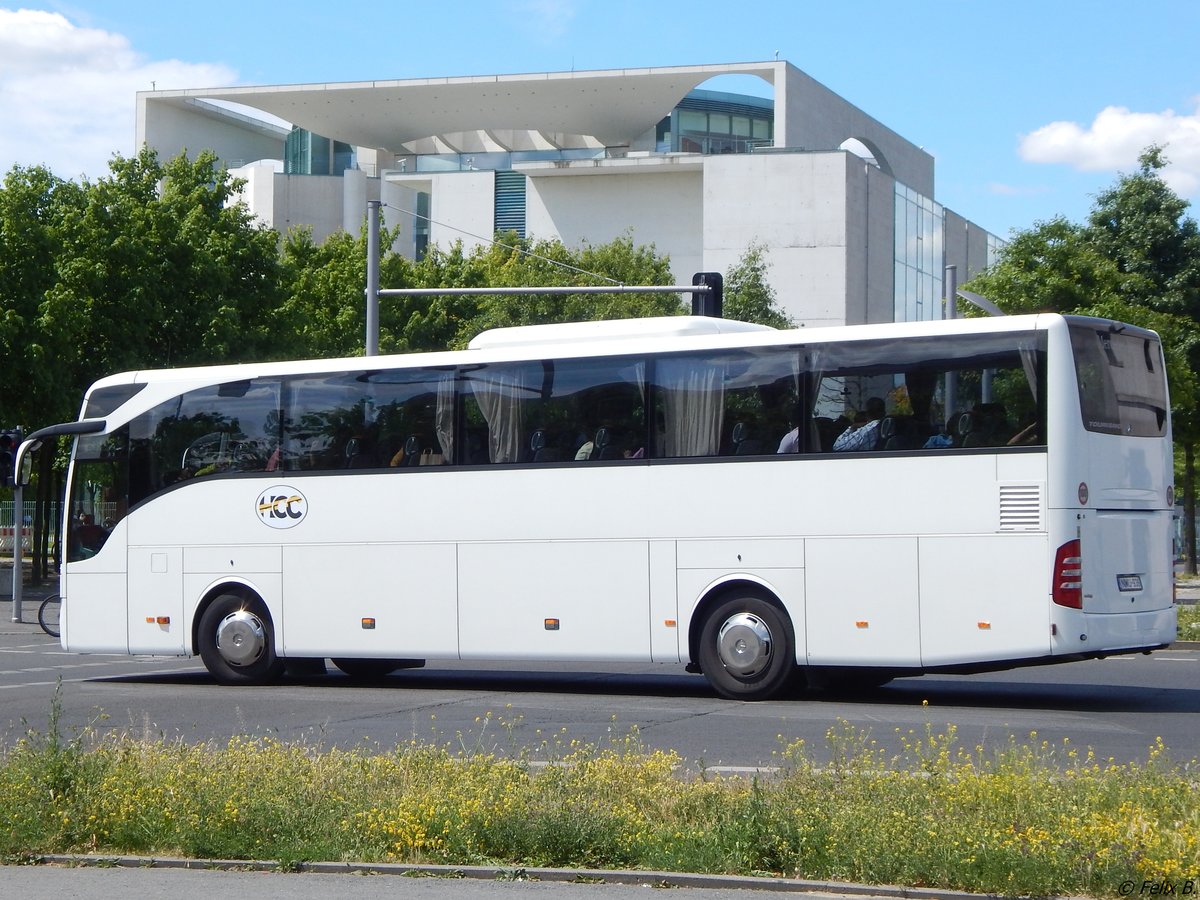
(48, 614)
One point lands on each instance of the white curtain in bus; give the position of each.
(443, 423)
(693, 406)
(500, 395)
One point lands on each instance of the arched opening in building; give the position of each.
(725, 114)
(868, 152)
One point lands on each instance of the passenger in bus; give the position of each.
(863, 433)
(87, 537)
(939, 441)
(790, 442)
(1030, 434)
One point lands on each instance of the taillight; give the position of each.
(1068, 576)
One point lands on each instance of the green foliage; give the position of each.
(749, 297)
(149, 266)
(1141, 225)
(442, 322)
(1052, 267)
(33, 205)
(1188, 627)
(323, 312)
(1032, 819)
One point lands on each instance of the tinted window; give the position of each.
(931, 393)
(102, 401)
(233, 427)
(552, 411)
(362, 420)
(1122, 386)
(729, 403)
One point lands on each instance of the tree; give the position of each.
(1140, 224)
(157, 267)
(33, 204)
(749, 297)
(322, 311)
(1052, 267)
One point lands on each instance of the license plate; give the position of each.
(1129, 582)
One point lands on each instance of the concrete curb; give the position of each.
(521, 873)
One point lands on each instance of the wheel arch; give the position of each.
(718, 591)
(238, 588)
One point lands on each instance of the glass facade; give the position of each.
(714, 122)
(500, 161)
(994, 246)
(920, 255)
(305, 153)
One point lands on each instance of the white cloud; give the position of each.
(67, 93)
(1116, 138)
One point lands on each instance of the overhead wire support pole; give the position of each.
(372, 344)
(951, 297)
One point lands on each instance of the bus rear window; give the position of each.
(1122, 385)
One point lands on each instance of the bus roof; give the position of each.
(610, 330)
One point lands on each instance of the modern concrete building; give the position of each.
(843, 204)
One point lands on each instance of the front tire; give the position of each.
(237, 641)
(747, 648)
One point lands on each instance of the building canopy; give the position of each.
(608, 108)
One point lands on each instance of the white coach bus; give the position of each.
(758, 505)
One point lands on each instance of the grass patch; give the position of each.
(1189, 621)
(1033, 819)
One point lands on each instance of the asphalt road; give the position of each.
(1117, 706)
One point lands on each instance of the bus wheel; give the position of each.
(237, 641)
(746, 649)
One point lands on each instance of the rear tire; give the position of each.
(48, 615)
(237, 641)
(747, 648)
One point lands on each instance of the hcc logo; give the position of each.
(281, 506)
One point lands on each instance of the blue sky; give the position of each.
(1029, 108)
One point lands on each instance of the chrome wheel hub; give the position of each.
(744, 644)
(241, 638)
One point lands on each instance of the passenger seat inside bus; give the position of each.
(538, 451)
(984, 426)
(900, 433)
(743, 444)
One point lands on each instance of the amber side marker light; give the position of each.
(862, 623)
(368, 623)
(552, 624)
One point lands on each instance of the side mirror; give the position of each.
(24, 468)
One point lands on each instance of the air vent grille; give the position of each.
(1020, 507)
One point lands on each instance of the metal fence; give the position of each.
(8, 528)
